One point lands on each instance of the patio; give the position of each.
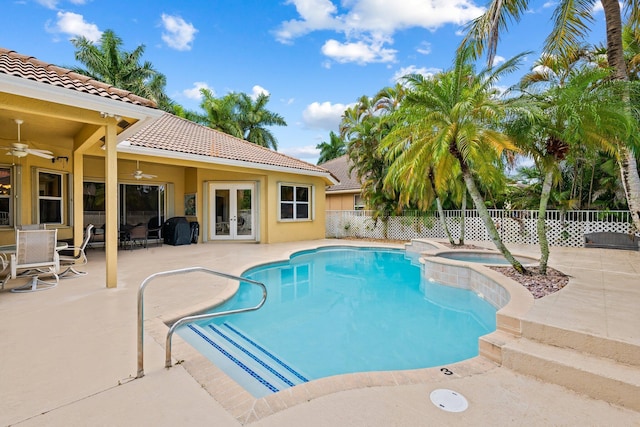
(69, 354)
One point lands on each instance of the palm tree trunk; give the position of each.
(486, 218)
(615, 57)
(631, 183)
(541, 223)
(463, 207)
(443, 221)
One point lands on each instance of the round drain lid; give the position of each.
(449, 400)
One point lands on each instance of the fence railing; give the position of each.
(515, 226)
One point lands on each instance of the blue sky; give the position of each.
(313, 57)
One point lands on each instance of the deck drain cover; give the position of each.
(449, 400)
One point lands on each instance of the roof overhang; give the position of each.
(126, 147)
(59, 95)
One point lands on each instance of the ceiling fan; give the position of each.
(20, 149)
(138, 174)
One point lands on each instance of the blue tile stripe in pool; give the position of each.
(234, 360)
(252, 356)
(265, 351)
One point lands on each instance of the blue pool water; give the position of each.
(339, 310)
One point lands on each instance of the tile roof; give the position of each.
(339, 167)
(30, 68)
(173, 133)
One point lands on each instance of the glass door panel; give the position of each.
(232, 213)
(221, 211)
(244, 226)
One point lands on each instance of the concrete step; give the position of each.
(598, 377)
(624, 352)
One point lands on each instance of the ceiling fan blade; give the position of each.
(41, 153)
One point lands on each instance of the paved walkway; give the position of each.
(69, 354)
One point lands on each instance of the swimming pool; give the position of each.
(338, 310)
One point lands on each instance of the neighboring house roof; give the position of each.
(339, 167)
(175, 134)
(30, 68)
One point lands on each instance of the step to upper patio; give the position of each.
(259, 370)
(598, 377)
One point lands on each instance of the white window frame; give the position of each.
(60, 198)
(358, 206)
(8, 220)
(309, 203)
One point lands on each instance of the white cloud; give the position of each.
(326, 116)
(359, 52)
(497, 60)
(424, 48)
(49, 4)
(53, 4)
(368, 25)
(74, 25)
(412, 69)
(305, 153)
(257, 90)
(194, 92)
(179, 34)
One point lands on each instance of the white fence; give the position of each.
(563, 228)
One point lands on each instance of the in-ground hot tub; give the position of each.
(484, 257)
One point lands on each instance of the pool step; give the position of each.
(599, 377)
(256, 368)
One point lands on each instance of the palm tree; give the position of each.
(584, 112)
(220, 113)
(456, 114)
(571, 24)
(362, 129)
(237, 114)
(331, 150)
(253, 118)
(108, 63)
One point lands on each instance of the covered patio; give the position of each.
(69, 354)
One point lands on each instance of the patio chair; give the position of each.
(74, 256)
(154, 229)
(32, 227)
(137, 235)
(35, 256)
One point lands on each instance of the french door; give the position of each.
(232, 211)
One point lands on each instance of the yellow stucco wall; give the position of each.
(340, 202)
(185, 177)
(26, 202)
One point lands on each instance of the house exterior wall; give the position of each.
(195, 179)
(341, 202)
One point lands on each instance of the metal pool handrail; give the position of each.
(185, 319)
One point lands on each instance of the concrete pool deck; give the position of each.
(69, 354)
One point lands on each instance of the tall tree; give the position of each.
(582, 112)
(333, 149)
(363, 129)
(457, 114)
(572, 20)
(253, 118)
(107, 62)
(239, 115)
